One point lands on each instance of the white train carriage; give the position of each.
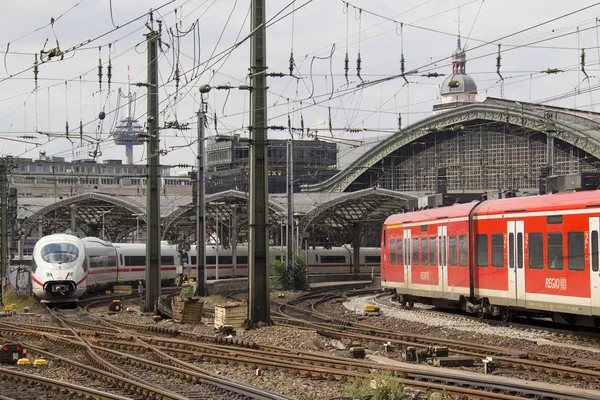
(60, 268)
(65, 267)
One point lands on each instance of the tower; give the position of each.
(128, 131)
(458, 89)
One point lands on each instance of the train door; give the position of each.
(516, 263)
(407, 258)
(442, 258)
(594, 271)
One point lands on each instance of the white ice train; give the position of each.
(65, 267)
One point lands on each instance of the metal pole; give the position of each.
(74, 219)
(234, 239)
(258, 274)
(4, 216)
(290, 216)
(200, 200)
(153, 191)
(217, 244)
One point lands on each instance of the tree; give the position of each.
(300, 270)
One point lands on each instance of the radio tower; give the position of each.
(128, 131)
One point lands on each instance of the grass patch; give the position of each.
(19, 300)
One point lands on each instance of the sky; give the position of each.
(199, 36)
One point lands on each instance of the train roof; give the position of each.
(549, 202)
(454, 211)
(545, 203)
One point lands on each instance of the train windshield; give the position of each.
(59, 252)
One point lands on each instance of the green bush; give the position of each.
(380, 385)
(279, 268)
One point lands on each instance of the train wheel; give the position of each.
(482, 312)
(410, 304)
(506, 315)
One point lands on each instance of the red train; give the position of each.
(506, 257)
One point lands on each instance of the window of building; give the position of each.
(481, 247)
(452, 249)
(595, 251)
(415, 251)
(393, 252)
(424, 251)
(576, 251)
(497, 250)
(555, 250)
(432, 251)
(536, 251)
(462, 242)
(333, 259)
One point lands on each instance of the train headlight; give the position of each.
(49, 275)
(70, 274)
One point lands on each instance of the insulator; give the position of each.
(109, 73)
(80, 129)
(498, 60)
(35, 70)
(67, 128)
(358, 62)
(346, 66)
(402, 63)
(216, 130)
(399, 121)
(291, 63)
(100, 67)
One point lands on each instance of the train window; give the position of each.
(536, 251)
(431, 251)
(452, 249)
(554, 219)
(167, 260)
(511, 250)
(384, 237)
(520, 250)
(225, 260)
(111, 261)
(392, 252)
(555, 250)
(442, 252)
(423, 228)
(193, 260)
(595, 251)
(575, 251)
(399, 253)
(122, 260)
(497, 250)
(243, 260)
(424, 251)
(333, 259)
(211, 260)
(407, 251)
(374, 259)
(462, 243)
(415, 251)
(481, 247)
(135, 260)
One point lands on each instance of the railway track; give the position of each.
(231, 351)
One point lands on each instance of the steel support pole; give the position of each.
(258, 273)
(200, 209)
(152, 168)
(290, 216)
(4, 223)
(234, 240)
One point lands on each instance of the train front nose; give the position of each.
(59, 288)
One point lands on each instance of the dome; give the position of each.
(461, 83)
